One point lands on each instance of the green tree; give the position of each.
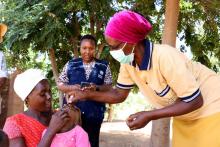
(44, 26)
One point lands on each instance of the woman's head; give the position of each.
(123, 32)
(87, 48)
(33, 88)
(127, 26)
(40, 97)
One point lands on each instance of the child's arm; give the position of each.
(82, 139)
(47, 138)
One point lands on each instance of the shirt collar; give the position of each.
(146, 61)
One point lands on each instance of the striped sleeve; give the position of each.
(163, 92)
(191, 97)
(124, 80)
(173, 66)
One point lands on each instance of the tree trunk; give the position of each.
(110, 110)
(75, 52)
(160, 133)
(110, 113)
(55, 72)
(53, 64)
(99, 25)
(171, 22)
(161, 128)
(92, 23)
(100, 49)
(3, 104)
(13, 98)
(74, 42)
(11, 103)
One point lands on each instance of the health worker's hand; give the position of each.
(138, 120)
(77, 95)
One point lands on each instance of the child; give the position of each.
(71, 135)
(4, 141)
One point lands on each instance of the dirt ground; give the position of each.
(117, 134)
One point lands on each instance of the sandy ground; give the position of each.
(117, 134)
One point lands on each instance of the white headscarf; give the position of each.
(26, 81)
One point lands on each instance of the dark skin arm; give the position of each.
(47, 139)
(111, 96)
(103, 87)
(17, 142)
(141, 119)
(94, 87)
(67, 88)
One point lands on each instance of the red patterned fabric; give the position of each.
(21, 125)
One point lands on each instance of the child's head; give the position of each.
(74, 115)
(4, 141)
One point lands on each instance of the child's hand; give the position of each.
(58, 120)
(138, 120)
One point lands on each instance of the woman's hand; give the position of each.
(75, 87)
(76, 95)
(138, 120)
(58, 120)
(91, 87)
(65, 88)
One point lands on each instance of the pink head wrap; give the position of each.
(128, 26)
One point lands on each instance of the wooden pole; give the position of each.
(3, 103)
(55, 72)
(161, 128)
(171, 22)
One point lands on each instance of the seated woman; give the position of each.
(71, 134)
(25, 129)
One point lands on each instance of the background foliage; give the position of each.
(36, 26)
